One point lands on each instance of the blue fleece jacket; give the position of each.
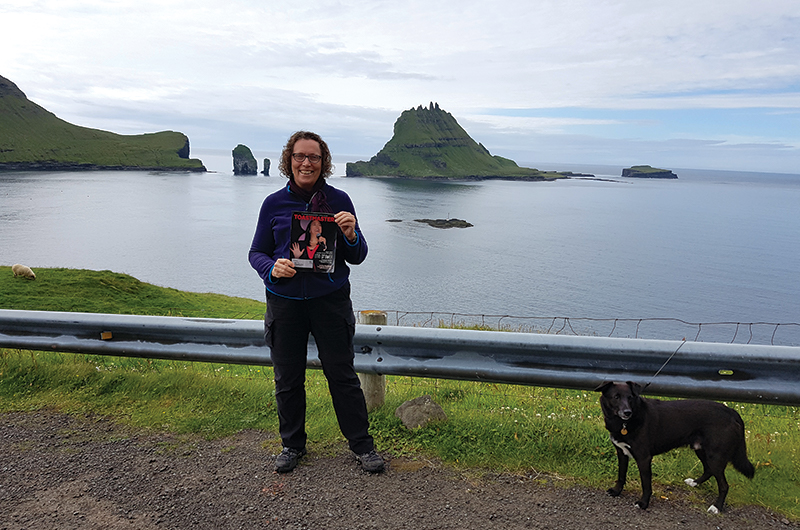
(272, 240)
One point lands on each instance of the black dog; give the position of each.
(641, 428)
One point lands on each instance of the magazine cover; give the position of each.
(313, 245)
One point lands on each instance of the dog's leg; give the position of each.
(706, 470)
(646, 475)
(718, 469)
(622, 473)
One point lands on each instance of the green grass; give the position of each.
(647, 169)
(32, 135)
(560, 432)
(557, 435)
(110, 292)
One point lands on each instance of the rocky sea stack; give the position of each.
(648, 172)
(36, 139)
(429, 143)
(244, 163)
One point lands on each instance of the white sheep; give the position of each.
(22, 270)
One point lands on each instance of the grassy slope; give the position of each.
(110, 292)
(31, 134)
(429, 142)
(512, 428)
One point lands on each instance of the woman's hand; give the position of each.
(347, 223)
(296, 251)
(283, 268)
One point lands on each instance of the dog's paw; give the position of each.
(691, 482)
(713, 510)
(613, 492)
(642, 505)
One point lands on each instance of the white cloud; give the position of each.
(350, 67)
(537, 125)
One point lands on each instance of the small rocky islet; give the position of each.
(647, 172)
(438, 223)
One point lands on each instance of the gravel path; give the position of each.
(72, 472)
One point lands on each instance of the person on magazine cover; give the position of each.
(301, 302)
(313, 240)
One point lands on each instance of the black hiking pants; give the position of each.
(330, 320)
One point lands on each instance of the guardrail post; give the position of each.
(373, 385)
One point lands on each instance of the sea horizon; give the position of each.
(220, 160)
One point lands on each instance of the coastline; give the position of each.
(476, 178)
(74, 166)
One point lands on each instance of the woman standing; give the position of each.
(303, 302)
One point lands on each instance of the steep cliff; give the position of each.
(32, 138)
(429, 143)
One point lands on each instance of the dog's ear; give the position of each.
(636, 388)
(604, 386)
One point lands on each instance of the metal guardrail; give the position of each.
(739, 372)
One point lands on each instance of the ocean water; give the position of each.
(708, 248)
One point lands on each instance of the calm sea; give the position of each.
(708, 248)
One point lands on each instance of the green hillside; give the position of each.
(429, 142)
(32, 138)
(80, 290)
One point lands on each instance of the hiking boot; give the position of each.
(371, 462)
(287, 460)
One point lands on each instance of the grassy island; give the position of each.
(648, 172)
(429, 143)
(36, 139)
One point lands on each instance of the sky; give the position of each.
(702, 84)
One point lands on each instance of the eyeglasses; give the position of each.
(300, 157)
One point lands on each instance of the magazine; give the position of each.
(313, 245)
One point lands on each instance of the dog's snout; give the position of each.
(625, 414)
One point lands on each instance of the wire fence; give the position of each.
(659, 328)
(768, 333)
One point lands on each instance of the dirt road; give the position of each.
(67, 472)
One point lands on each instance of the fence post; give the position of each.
(373, 385)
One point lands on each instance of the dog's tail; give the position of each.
(740, 461)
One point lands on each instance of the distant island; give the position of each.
(35, 139)
(428, 143)
(648, 172)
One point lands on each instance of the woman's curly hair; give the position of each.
(285, 166)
